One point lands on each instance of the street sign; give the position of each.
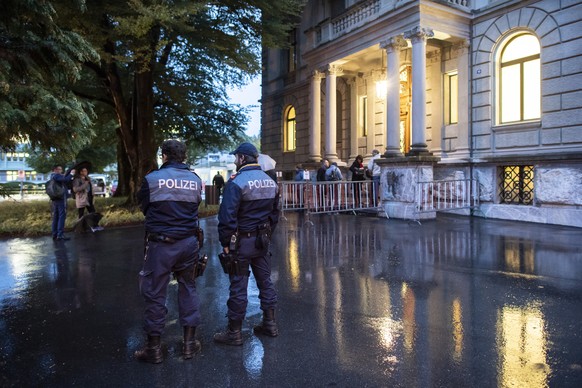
(21, 175)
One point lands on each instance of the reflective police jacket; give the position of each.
(169, 199)
(250, 199)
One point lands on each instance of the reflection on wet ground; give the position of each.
(362, 302)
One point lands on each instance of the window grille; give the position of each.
(516, 185)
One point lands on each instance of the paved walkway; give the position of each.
(363, 301)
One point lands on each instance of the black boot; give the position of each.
(232, 335)
(191, 345)
(268, 326)
(152, 352)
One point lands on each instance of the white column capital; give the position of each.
(419, 34)
(317, 75)
(334, 70)
(393, 44)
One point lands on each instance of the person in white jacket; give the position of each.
(376, 172)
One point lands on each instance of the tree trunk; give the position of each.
(137, 140)
(143, 131)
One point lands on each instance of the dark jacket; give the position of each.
(251, 199)
(169, 199)
(321, 174)
(357, 170)
(218, 181)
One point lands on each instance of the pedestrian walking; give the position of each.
(246, 218)
(218, 182)
(169, 199)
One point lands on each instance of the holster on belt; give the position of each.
(231, 265)
(263, 238)
(200, 266)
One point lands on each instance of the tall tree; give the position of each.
(164, 66)
(39, 61)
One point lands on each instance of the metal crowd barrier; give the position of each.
(328, 197)
(447, 195)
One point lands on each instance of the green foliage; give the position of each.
(39, 60)
(155, 69)
(194, 49)
(33, 218)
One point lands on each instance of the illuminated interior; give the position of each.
(290, 129)
(520, 79)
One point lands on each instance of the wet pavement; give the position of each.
(363, 302)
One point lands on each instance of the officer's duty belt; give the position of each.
(253, 233)
(156, 237)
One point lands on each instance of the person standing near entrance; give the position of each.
(322, 170)
(59, 204)
(169, 199)
(247, 216)
(358, 175)
(376, 173)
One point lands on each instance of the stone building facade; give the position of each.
(445, 89)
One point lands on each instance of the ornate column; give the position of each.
(354, 103)
(418, 36)
(463, 139)
(435, 120)
(315, 117)
(330, 113)
(393, 47)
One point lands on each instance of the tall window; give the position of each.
(451, 98)
(520, 80)
(290, 130)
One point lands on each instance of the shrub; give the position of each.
(33, 217)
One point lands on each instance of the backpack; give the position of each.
(333, 176)
(55, 190)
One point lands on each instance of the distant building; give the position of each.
(482, 89)
(13, 167)
(207, 166)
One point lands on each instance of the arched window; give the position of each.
(290, 129)
(519, 80)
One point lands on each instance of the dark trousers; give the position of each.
(90, 209)
(260, 263)
(59, 214)
(161, 259)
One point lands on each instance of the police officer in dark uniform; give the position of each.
(169, 198)
(247, 215)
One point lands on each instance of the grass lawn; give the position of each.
(33, 218)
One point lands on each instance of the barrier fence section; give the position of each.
(447, 195)
(328, 197)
